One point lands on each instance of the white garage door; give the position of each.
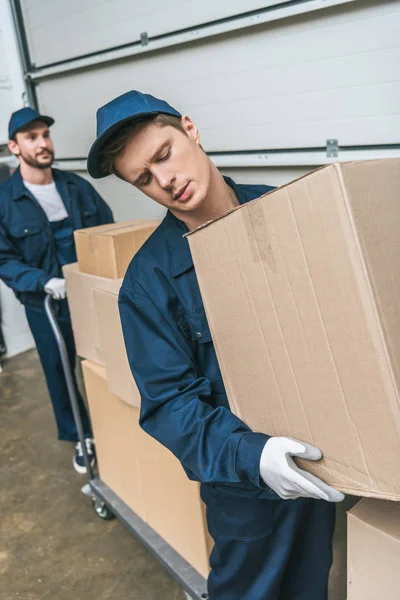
(285, 85)
(61, 30)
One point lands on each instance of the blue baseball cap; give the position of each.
(112, 117)
(21, 118)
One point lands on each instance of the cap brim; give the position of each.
(93, 159)
(46, 120)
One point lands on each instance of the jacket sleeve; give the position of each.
(14, 272)
(212, 443)
(104, 212)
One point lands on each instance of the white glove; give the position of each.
(56, 288)
(281, 474)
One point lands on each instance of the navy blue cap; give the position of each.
(21, 118)
(112, 117)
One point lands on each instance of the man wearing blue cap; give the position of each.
(40, 208)
(271, 522)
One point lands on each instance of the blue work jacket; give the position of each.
(28, 256)
(173, 361)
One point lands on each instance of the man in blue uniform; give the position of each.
(272, 523)
(40, 208)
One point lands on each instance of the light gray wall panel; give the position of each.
(61, 30)
(290, 84)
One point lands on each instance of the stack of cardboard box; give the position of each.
(301, 289)
(128, 459)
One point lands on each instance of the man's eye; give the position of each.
(165, 156)
(147, 181)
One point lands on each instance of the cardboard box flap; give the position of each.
(113, 228)
(120, 379)
(384, 516)
(85, 324)
(146, 225)
(378, 227)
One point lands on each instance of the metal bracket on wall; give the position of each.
(144, 38)
(332, 148)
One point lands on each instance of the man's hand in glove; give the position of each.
(281, 474)
(56, 288)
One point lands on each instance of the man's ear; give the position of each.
(13, 148)
(190, 129)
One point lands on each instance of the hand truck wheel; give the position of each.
(102, 510)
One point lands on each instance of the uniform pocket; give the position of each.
(199, 330)
(89, 216)
(21, 231)
(30, 240)
(237, 517)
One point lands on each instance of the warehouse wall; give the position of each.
(289, 84)
(15, 327)
(12, 86)
(90, 26)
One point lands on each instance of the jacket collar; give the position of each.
(61, 179)
(17, 185)
(180, 257)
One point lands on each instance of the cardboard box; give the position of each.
(85, 325)
(374, 551)
(120, 379)
(107, 250)
(117, 435)
(173, 505)
(301, 288)
(144, 474)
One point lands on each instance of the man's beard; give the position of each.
(33, 162)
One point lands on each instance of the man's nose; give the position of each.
(165, 179)
(43, 142)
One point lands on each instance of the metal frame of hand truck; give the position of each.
(108, 505)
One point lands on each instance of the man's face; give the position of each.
(33, 146)
(168, 165)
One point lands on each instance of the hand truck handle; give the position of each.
(68, 378)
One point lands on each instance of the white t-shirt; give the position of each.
(49, 199)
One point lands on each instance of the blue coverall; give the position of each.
(265, 548)
(32, 251)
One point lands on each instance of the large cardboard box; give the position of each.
(117, 434)
(82, 308)
(144, 474)
(107, 250)
(373, 551)
(301, 289)
(120, 379)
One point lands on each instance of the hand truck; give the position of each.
(106, 503)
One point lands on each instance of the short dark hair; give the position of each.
(116, 144)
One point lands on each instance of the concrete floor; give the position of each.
(52, 545)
